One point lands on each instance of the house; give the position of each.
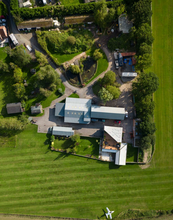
(37, 109)
(35, 24)
(124, 24)
(3, 33)
(27, 4)
(62, 131)
(77, 110)
(13, 108)
(112, 147)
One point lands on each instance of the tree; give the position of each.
(147, 128)
(145, 106)
(105, 95)
(100, 14)
(143, 61)
(18, 75)
(146, 84)
(140, 11)
(71, 40)
(75, 138)
(109, 78)
(45, 92)
(41, 58)
(144, 49)
(3, 67)
(97, 55)
(48, 77)
(114, 91)
(3, 8)
(144, 34)
(19, 90)
(145, 142)
(110, 15)
(24, 120)
(75, 69)
(19, 56)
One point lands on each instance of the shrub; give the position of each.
(114, 91)
(18, 75)
(45, 92)
(71, 40)
(75, 69)
(97, 55)
(52, 138)
(109, 78)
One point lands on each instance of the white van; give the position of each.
(29, 48)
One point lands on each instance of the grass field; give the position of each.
(71, 2)
(34, 180)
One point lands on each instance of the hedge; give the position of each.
(14, 4)
(60, 10)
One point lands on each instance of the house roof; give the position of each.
(78, 19)
(3, 32)
(59, 109)
(114, 132)
(62, 131)
(120, 157)
(105, 112)
(128, 54)
(13, 108)
(124, 23)
(42, 22)
(77, 110)
(36, 109)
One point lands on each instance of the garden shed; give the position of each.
(78, 19)
(124, 24)
(13, 108)
(62, 131)
(37, 109)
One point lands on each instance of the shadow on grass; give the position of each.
(102, 215)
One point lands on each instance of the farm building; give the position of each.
(13, 108)
(112, 147)
(79, 19)
(104, 112)
(76, 110)
(62, 131)
(37, 109)
(124, 24)
(36, 23)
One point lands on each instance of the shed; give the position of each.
(62, 131)
(104, 112)
(37, 109)
(3, 32)
(59, 109)
(42, 22)
(79, 19)
(121, 154)
(13, 108)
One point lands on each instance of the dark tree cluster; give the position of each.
(143, 90)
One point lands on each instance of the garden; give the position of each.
(75, 144)
(26, 80)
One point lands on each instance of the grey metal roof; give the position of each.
(77, 110)
(13, 108)
(120, 157)
(62, 131)
(124, 24)
(59, 109)
(36, 109)
(104, 112)
(115, 132)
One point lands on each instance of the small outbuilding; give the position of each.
(59, 109)
(124, 23)
(13, 108)
(36, 23)
(37, 109)
(62, 131)
(27, 4)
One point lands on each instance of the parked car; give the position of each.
(4, 20)
(102, 120)
(115, 55)
(126, 114)
(94, 119)
(116, 64)
(3, 24)
(29, 48)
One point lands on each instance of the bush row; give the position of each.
(58, 10)
(14, 4)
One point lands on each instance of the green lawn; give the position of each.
(87, 146)
(102, 65)
(65, 57)
(71, 2)
(34, 180)
(132, 153)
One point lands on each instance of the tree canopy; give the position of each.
(109, 78)
(41, 58)
(114, 91)
(75, 69)
(105, 95)
(19, 90)
(18, 75)
(97, 55)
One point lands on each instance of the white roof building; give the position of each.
(27, 4)
(114, 145)
(62, 131)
